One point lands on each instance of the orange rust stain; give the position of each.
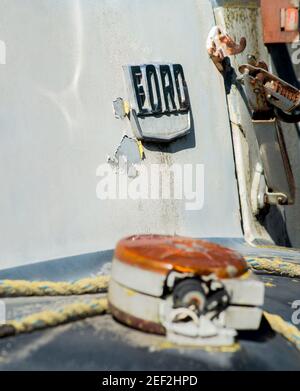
(137, 323)
(161, 254)
(271, 20)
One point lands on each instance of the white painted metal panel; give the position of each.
(63, 69)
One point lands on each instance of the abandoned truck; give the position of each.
(150, 201)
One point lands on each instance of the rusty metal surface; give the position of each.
(255, 92)
(272, 32)
(137, 323)
(220, 45)
(272, 84)
(265, 91)
(288, 92)
(164, 253)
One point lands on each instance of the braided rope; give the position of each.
(275, 266)
(287, 330)
(45, 319)
(19, 288)
(81, 310)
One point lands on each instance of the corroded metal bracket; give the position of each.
(267, 95)
(267, 92)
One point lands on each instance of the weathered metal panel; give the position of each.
(279, 23)
(63, 70)
(244, 21)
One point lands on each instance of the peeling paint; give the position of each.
(126, 156)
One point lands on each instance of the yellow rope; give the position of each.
(14, 288)
(45, 319)
(287, 330)
(81, 310)
(275, 266)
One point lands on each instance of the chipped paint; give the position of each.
(128, 148)
(127, 155)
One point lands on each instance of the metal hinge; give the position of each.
(269, 99)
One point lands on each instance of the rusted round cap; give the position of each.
(162, 254)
